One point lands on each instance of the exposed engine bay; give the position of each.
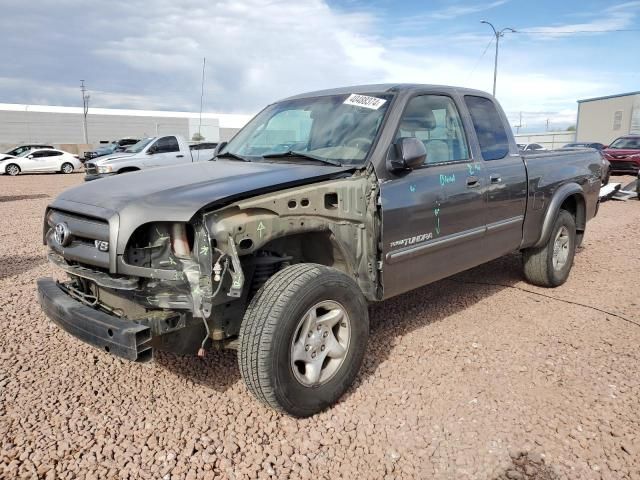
(194, 280)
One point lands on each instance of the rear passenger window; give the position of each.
(493, 139)
(434, 120)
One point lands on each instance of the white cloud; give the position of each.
(148, 54)
(615, 17)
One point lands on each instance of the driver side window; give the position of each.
(434, 120)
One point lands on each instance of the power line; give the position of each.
(480, 57)
(553, 32)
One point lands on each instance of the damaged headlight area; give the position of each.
(170, 279)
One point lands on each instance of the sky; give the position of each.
(147, 54)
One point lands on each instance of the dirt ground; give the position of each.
(478, 376)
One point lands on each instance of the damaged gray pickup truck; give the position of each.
(322, 203)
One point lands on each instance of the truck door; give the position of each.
(506, 193)
(433, 217)
(166, 151)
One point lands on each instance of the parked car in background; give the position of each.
(530, 147)
(596, 145)
(277, 252)
(624, 155)
(124, 143)
(109, 148)
(101, 151)
(147, 153)
(41, 160)
(22, 149)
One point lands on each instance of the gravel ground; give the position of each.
(478, 376)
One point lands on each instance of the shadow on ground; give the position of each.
(15, 198)
(219, 369)
(527, 466)
(401, 315)
(12, 265)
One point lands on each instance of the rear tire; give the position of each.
(12, 169)
(66, 168)
(549, 265)
(303, 339)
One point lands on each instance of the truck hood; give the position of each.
(106, 159)
(176, 193)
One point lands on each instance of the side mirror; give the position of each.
(410, 153)
(29, 156)
(152, 149)
(219, 148)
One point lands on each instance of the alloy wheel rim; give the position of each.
(13, 170)
(320, 343)
(561, 248)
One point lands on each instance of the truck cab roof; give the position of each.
(408, 88)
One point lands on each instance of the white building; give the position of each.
(64, 125)
(604, 119)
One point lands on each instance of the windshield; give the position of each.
(138, 147)
(338, 128)
(631, 143)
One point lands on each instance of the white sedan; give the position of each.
(41, 160)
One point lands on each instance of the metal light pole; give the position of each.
(204, 62)
(498, 34)
(85, 110)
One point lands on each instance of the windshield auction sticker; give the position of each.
(364, 101)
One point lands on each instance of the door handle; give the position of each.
(473, 181)
(495, 178)
(179, 156)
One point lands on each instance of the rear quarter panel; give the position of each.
(548, 173)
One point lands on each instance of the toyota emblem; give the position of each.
(62, 235)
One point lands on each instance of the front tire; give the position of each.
(303, 338)
(12, 169)
(549, 265)
(66, 168)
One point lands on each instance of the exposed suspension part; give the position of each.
(265, 265)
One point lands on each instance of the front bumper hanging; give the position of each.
(112, 334)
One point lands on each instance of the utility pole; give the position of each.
(204, 61)
(85, 110)
(547, 126)
(519, 126)
(498, 34)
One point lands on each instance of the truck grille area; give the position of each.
(90, 168)
(78, 238)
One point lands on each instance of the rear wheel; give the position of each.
(303, 339)
(549, 265)
(12, 169)
(67, 168)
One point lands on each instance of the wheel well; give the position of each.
(574, 204)
(311, 247)
(128, 169)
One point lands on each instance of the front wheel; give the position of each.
(67, 168)
(12, 169)
(549, 265)
(303, 338)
